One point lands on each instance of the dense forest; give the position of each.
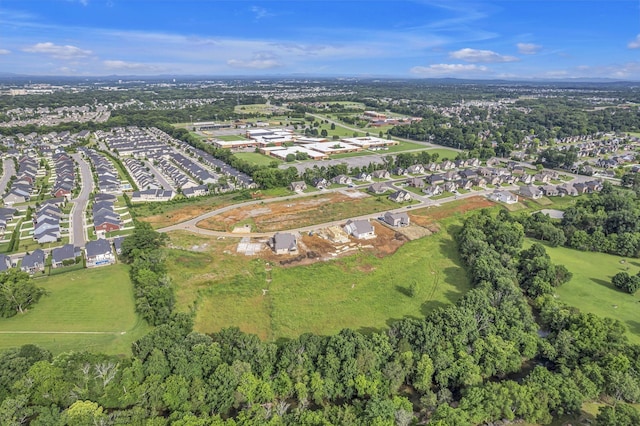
(506, 350)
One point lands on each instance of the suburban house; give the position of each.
(530, 191)
(378, 188)
(342, 180)
(567, 189)
(401, 196)
(360, 229)
(33, 262)
(396, 219)
(298, 186)
(504, 197)
(320, 183)
(364, 176)
(5, 262)
(98, 253)
(432, 190)
(415, 169)
(283, 243)
(117, 244)
(550, 190)
(416, 182)
(67, 252)
(381, 174)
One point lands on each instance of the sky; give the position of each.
(492, 39)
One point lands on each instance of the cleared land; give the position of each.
(366, 288)
(362, 291)
(289, 214)
(90, 309)
(590, 289)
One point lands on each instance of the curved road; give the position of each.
(191, 225)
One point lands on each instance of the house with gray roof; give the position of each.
(360, 229)
(33, 262)
(65, 253)
(5, 262)
(396, 219)
(283, 243)
(99, 253)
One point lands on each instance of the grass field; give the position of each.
(362, 291)
(97, 301)
(591, 290)
(443, 153)
(256, 158)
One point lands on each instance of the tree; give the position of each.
(17, 292)
(626, 282)
(143, 240)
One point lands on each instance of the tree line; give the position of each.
(480, 360)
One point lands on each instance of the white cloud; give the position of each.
(448, 69)
(118, 65)
(4, 52)
(635, 43)
(260, 61)
(475, 55)
(261, 12)
(57, 51)
(528, 48)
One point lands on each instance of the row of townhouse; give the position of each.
(46, 221)
(23, 188)
(106, 173)
(105, 217)
(237, 178)
(132, 142)
(195, 170)
(142, 177)
(64, 169)
(175, 174)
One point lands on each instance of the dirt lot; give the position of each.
(428, 216)
(314, 248)
(289, 214)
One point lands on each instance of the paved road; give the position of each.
(159, 176)
(8, 170)
(77, 230)
(191, 225)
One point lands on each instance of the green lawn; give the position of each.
(361, 291)
(231, 137)
(256, 158)
(89, 300)
(591, 290)
(443, 153)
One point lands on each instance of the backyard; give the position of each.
(92, 309)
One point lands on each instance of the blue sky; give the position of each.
(423, 38)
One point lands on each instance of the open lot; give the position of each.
(362, 291)
(89, 309)
(297, 213)
(256, 158)
(590, 289)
